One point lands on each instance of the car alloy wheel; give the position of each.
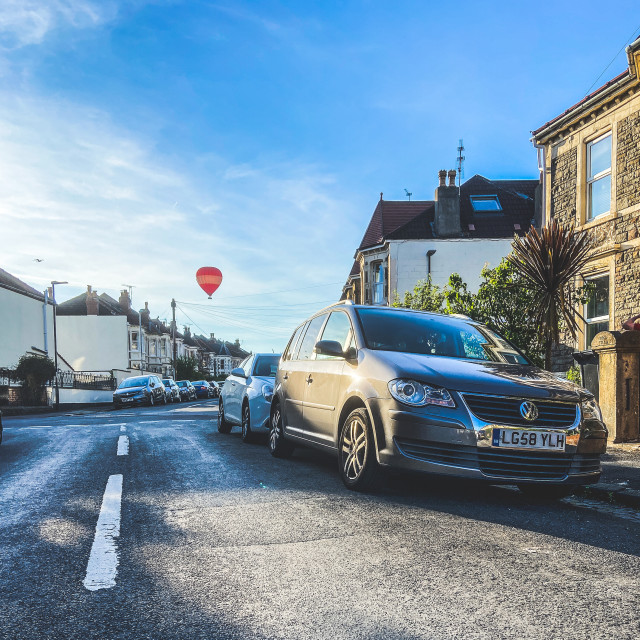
(246, 423)
(278, 446)
(223, 425)
(151, 400)
(357, 461)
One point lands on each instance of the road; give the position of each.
(213, 538)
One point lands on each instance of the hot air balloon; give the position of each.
(209, 279)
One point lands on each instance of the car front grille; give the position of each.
(506, 410)
(521, 465)
(496, 463)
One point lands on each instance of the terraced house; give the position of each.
(590, 156)
(460, 231)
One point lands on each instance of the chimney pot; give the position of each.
(442, 175)
(452, 177)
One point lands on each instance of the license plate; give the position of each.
(523, 439)
(127, 399)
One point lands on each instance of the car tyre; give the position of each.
(164, 398)
(223, 425)
(278, 445)
(546, 492)
(247, 435)
(152, 400)
(357, 463)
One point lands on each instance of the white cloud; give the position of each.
(27, 22)
(102, 206)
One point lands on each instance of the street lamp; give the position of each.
(55, 338)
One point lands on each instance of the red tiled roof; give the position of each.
(391, 215)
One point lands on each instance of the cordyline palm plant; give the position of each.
(549, 261)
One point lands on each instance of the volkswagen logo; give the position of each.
(528, 410)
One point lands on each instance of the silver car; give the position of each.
(245, 396)
(383, 387)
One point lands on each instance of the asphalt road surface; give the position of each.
(148, 523)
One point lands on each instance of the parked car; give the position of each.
(140, 390)
(0, 427)
(203, 390)
(384, 387)
(172, 389)
(215, 387)
(245, 397)
(187, 391)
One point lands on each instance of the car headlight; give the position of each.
(419, 394)
(267, 392)
(591, 410)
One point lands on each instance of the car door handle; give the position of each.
(309, 379)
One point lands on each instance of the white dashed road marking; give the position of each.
(123, 429)
(102, 567)
(123, 446)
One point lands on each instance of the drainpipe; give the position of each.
(44, 321)
(429, 254)
(542, 166)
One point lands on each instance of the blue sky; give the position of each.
(142, 140)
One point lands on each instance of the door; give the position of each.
(295, 375)
(233, 399)
(325, 382)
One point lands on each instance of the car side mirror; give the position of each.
(329, 348)
(153, 384)
(238, 371)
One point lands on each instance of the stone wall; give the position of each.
(564, 177)
(628, 161)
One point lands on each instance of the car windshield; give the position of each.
(428, 334)
(182, 383)
(167, 383)
(133, 382)
(266, 366)
(200, 382)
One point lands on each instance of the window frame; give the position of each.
(590, 180)
(597, 319)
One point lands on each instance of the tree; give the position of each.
(502, 303)
(187, 368)
(426, 296)
(549, 261)
(34, 372)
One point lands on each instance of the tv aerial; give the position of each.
(409, 194)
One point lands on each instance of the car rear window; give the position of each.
(428, 334)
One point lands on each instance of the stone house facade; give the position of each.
(460, 231)
(590, 158)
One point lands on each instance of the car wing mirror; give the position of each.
(329, 348)
(238, 372)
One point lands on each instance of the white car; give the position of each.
(245, 396)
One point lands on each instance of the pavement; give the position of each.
(620, 479)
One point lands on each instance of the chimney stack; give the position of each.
(213, 336)
(92, 302)
(146, 315)
(124, 300)
(447, 207)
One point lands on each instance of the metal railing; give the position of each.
(85, 380)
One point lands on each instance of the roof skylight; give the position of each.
(485, 203)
